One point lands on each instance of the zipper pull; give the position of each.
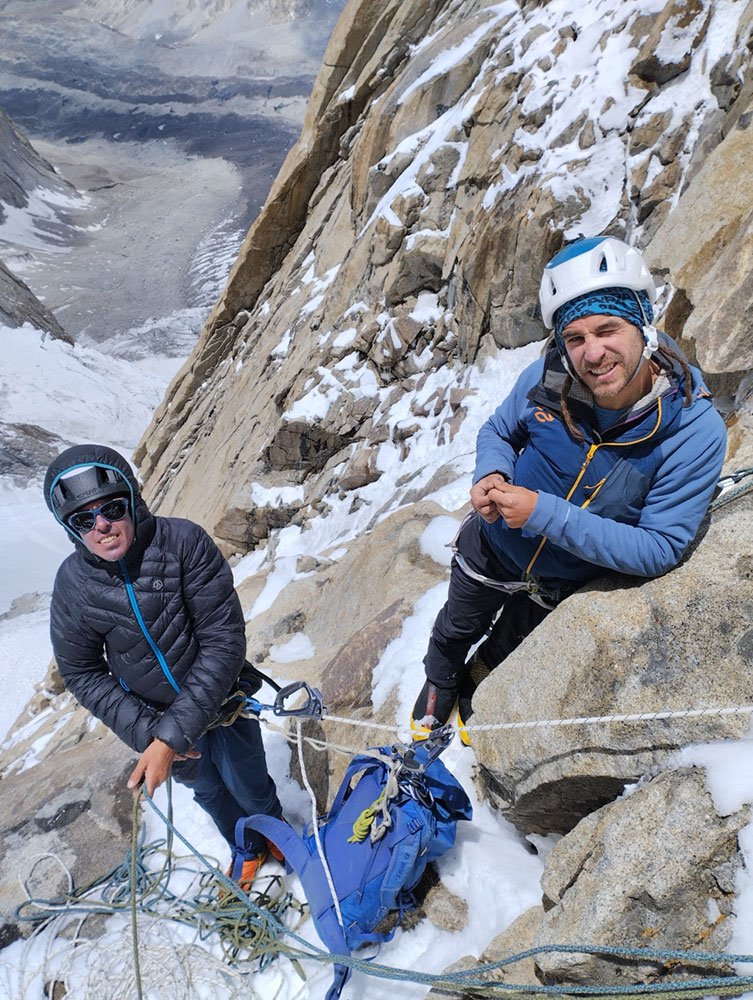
(589, 456)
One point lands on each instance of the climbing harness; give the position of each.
(530, 585)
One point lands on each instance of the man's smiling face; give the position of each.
(605, 353)
(110, 540)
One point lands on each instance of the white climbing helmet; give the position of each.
(588, 265)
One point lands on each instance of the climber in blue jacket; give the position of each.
(604, 456)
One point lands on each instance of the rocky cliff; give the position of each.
(25, 176)
(449, 148)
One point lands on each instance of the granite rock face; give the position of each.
(407, 229)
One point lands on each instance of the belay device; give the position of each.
(395, 811)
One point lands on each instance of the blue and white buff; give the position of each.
(605, 302)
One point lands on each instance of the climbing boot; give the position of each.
(245, 867)
(477, 671)
(465, 707)
(433, 708)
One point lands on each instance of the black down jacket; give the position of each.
(181, 589)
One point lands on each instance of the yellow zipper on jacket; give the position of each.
(586, 462)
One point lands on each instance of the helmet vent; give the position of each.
(603, 265)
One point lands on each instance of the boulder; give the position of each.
(72, 813)
(655, 869)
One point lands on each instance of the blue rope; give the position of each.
(469, 978)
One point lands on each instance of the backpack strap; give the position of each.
(359, 765)
(309, 869)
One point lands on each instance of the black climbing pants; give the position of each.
(230, 780)
(473, 608)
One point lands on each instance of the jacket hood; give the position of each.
(98, 455)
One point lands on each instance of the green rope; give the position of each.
(466, 982)
(247, 930)
(735, 494)
(134, 924)
(252, 932)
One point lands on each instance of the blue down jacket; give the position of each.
(181, 587)
(631, 500)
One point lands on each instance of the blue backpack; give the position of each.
(377, 838)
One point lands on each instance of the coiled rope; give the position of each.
(245, 930)
(262, 912)
(458, 982)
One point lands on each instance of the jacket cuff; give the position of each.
(543, 516)
(170, 734)
(480, 475)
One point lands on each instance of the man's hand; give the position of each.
(514, 503)
(480, 499)
(154, 766)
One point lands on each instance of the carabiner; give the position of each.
(313, 707)
(432, 746)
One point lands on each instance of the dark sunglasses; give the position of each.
(113, 510)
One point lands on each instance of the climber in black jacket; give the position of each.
(148, 635)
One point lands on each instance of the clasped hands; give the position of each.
(493, 497)
(154, 766)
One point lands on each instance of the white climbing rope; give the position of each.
(403, 731)
(685, 713)
(315, 825)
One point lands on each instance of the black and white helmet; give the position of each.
(84, 473)
(82, 485)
